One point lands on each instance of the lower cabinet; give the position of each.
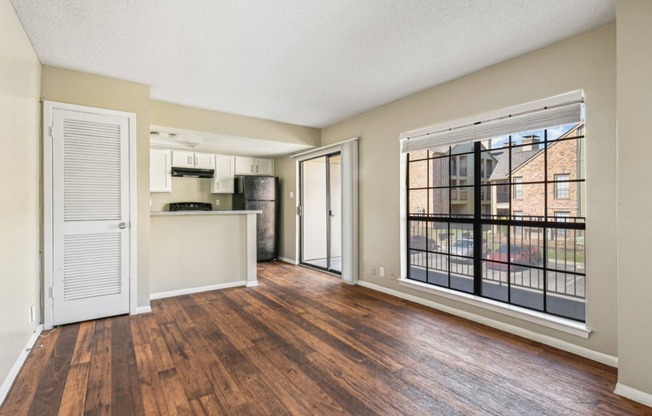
(224, 177)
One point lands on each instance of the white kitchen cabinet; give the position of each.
(224, 177)
(245, 165)
(204, 161)
(184, 159)
(160, 173)
(264, 166)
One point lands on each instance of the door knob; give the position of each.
(122, 225)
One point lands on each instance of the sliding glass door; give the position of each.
(320, 210)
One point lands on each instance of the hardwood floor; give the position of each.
(304, 343)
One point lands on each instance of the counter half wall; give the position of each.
(196, 251)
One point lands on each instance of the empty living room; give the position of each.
(387, 207)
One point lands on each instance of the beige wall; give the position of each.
(634, 193)
(79, 88)
(191, 251)
(189, 118)
(189, 190)
(285, 168)
(20, 80)
(585, 62)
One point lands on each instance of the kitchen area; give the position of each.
(213, 216)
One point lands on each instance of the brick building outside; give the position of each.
(564, 161)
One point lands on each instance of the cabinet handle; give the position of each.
(196, 160)
(190, 160)
(256, 168)
(251, 168)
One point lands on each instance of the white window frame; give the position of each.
(563, 182)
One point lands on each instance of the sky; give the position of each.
(553, 134)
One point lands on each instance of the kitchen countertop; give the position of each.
(214, 212)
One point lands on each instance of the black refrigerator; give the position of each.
(260, 193)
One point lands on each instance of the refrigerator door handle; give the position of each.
(300, 210)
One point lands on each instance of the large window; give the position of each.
(513, 230)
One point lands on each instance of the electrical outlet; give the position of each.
(381, 271)
(374, 270)
(217, 202)
(362, 267)
(291, 194)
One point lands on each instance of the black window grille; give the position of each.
(527, 250)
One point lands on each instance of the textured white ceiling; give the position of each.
(307, 62)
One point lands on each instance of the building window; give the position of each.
(468, 242)
(463, 166)
(518, 187)
(562, 186)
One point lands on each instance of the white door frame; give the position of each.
(349, 151)
(48, 234)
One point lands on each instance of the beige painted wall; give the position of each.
(634, 193)
(585, 62)
(20, 88)
(79, 88)
(285, 169)
(190, 190)
(185, 247)
(189, 118)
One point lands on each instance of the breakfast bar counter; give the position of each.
(196, 251)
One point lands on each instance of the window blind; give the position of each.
(548, 116)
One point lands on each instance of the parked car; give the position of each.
(420, 242)
(462, 247)
(518, 256)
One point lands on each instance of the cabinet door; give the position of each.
(160, 174)
(183, 159)
(244, 165)
(223, 180)
(264, 166)
(204, 161)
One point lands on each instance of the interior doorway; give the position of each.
(321, 212)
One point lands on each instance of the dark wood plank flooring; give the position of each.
(304, 343)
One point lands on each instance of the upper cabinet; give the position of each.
(245, 165)
(160, 173)
(224, 177)
(183, 159)
(264, 166)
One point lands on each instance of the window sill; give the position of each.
(560, 324)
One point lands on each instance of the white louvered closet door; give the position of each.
(90, 170)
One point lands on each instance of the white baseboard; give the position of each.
(252, 284)
(15, 369)
(512, 329)
(285, 259)
(179, 292)
(143, 309)
(633, 394)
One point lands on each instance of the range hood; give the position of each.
(192, 172)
